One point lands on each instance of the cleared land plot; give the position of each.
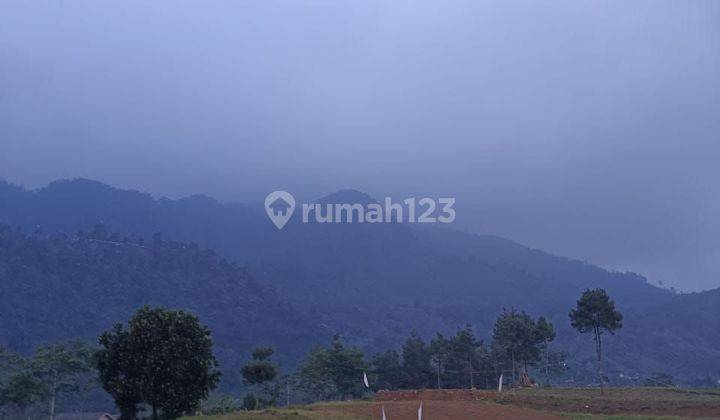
(397, 410)
(616, 401)
(517, 404)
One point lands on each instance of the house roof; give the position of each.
(84, 416)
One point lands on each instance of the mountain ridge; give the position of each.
(377, 282)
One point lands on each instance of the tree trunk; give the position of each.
(53, 390)
(52, 406)
(547, 364)
(438, 373)
(598, 346)
(155, 414)
(472, 380)
(512, 355)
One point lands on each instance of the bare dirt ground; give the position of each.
(447, 409)
(396, 410)
(616, 401)
(514, 404)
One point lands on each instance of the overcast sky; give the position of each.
(587, 129)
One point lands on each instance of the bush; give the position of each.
(250, 402)
(222, 404)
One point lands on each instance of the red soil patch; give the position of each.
(435, 395)
(447, 410)
(537, 403)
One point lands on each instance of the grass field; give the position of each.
(656, 402)
(517, 404)
(327, 411)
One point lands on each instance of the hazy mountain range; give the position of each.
(372, 283)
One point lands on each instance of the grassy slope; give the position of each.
(326, 411)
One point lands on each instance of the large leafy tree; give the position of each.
(163, 358)
(23, 390)
(595, 313)
(19, 388)
(59, 368)
(520, 339)
(332, 373)
(260, 372)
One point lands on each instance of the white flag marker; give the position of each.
(500, 383)
(420, 411)
(383, 413)
(365, 380)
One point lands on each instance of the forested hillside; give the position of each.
(59, 287)
(372, 283)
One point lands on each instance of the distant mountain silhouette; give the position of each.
(375, 283)
(347, 196)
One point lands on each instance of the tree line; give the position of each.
(457, 361)
(161, 364)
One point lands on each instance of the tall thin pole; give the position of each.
(438, 373)
(547, 363)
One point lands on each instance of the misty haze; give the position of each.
(217, 179)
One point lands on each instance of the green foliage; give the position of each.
(386, 371)
(518, 339)
(417, 371)
(11, 364)
(22, 389)
(556, 364)
(58, 287)
(545, 330)
(332, 373)
(250, 402)
(596, 313)
(260, 372)
(545, 334)
(220, 404)
(461, 361)
(469, 361)
(163, 358)
(59, 369)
